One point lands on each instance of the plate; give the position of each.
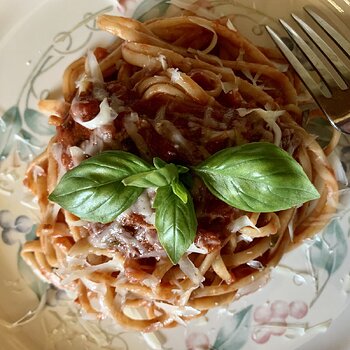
(38, 40)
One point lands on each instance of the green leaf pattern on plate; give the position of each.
(13, 132)
(150, 9)
(327, 253)
(28, 144)
(37, 122)
(234, 334)
(16, 231)
(329, 250)
(10, 124)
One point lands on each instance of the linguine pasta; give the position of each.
(179, 89)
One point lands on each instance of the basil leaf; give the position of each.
(159, 163)
(94, 190)
(182, 169)
(180, 190)
(256, 177)
(176, 222)
(154, 178)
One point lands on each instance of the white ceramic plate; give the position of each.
(306, 292)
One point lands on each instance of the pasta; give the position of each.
(180, 89)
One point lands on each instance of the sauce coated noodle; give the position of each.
(180, 89)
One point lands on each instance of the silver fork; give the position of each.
(334, 101)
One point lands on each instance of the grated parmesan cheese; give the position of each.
(163, 61)
(175, 75)
(176, 312)
(269, 117)
(77, 154)
(190, 270)
(92, 68)
(105, 116)
(241, 222)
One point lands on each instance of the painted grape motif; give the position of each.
(298, 309)
(271, 318)
(197, 341)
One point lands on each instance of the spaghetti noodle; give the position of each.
(180, 89)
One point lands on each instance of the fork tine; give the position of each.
(311, 55)
(340, 40)
(326, 50)
(305, 76)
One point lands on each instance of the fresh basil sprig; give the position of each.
(256, 177)
(153, 178)
(94, 190)
(176, 221)
(180, 190)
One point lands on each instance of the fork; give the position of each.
(334, 100)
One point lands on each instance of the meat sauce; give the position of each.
(190, 119)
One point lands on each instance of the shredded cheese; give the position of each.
(94, 145)
(92, 68)
(131, 127)
(191, 271)
(77, 155)
(105, 116)
(163, 61)
(241, 222)
(228, 86)
(194, 249)
(177, 312)
(270, 118)
(175, 75)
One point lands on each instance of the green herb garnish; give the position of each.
(94, 190)
(256, 177)
(176, 221)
